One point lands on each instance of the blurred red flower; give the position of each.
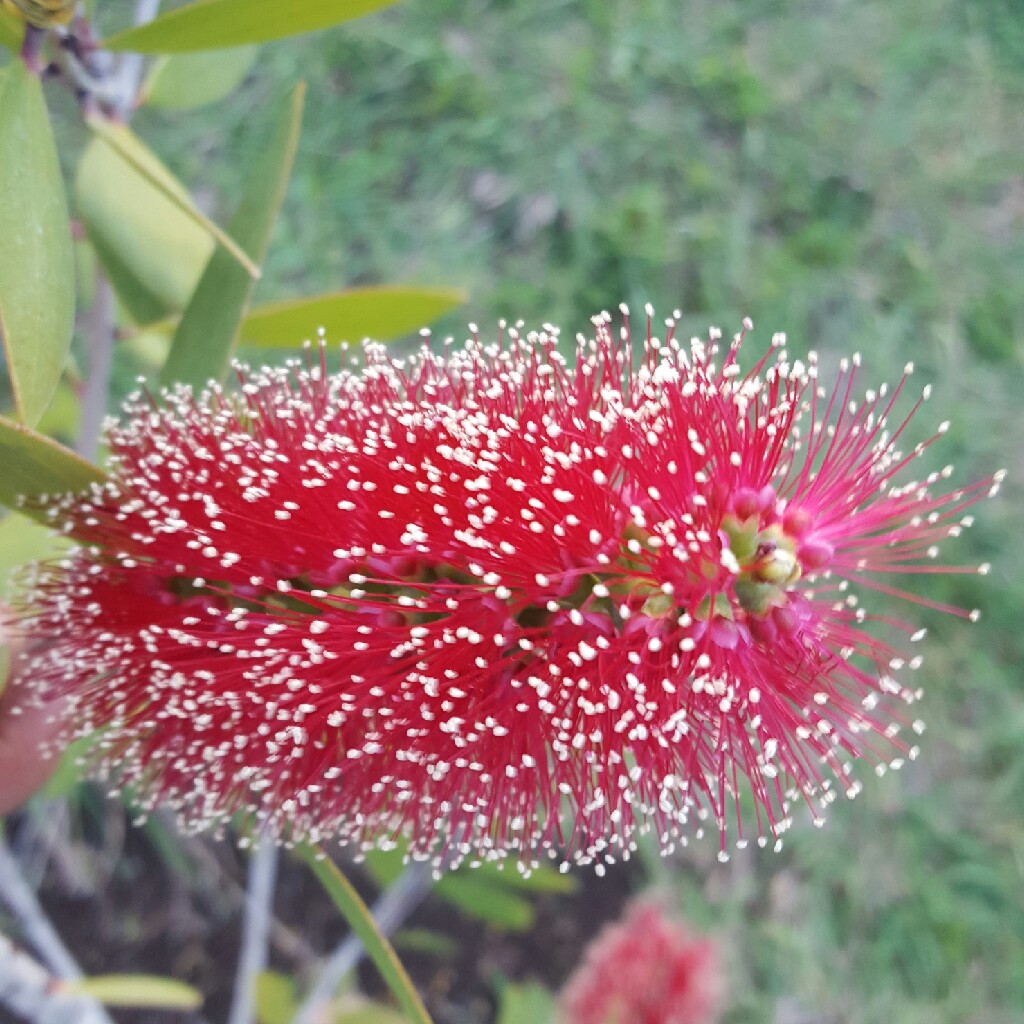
(26, 726)
(494, 594)
(644, 969)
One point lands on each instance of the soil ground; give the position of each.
(141, 900)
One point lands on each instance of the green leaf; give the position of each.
(380, 313)
(133, 151)
(486, 892)
(137, 990)
(153, 253)
(12, 31)
(206, 336)
(37, 271)
(360, 920)
(23, 541)
(276, 1001)
(215, 24)
(354, 314)
(541, 879)
(426, 942)
(384, 866)
(34, 465)
(486, 900)
(192, 80)
(526, 1003)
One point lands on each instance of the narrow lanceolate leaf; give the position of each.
(37, 273)
(203, 342)
(361, 921)
(137, 990)
(378, 313)
(488, 900)
(151, 250)
(12, 30)
(216, 24)
(133, 151)
(34, 465)
(189, 80)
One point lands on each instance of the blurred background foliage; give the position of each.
(850, 172)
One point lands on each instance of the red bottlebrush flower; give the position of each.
(644, 969)
(493, 600)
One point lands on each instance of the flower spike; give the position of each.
(500, 602)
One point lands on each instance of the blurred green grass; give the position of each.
(849, 172)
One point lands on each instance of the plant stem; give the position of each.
(31, 991)
(35, 926)
(255, 929)
(380, 951)
(103, 315)
(132, 64)
(96, 392)
(23, 982)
